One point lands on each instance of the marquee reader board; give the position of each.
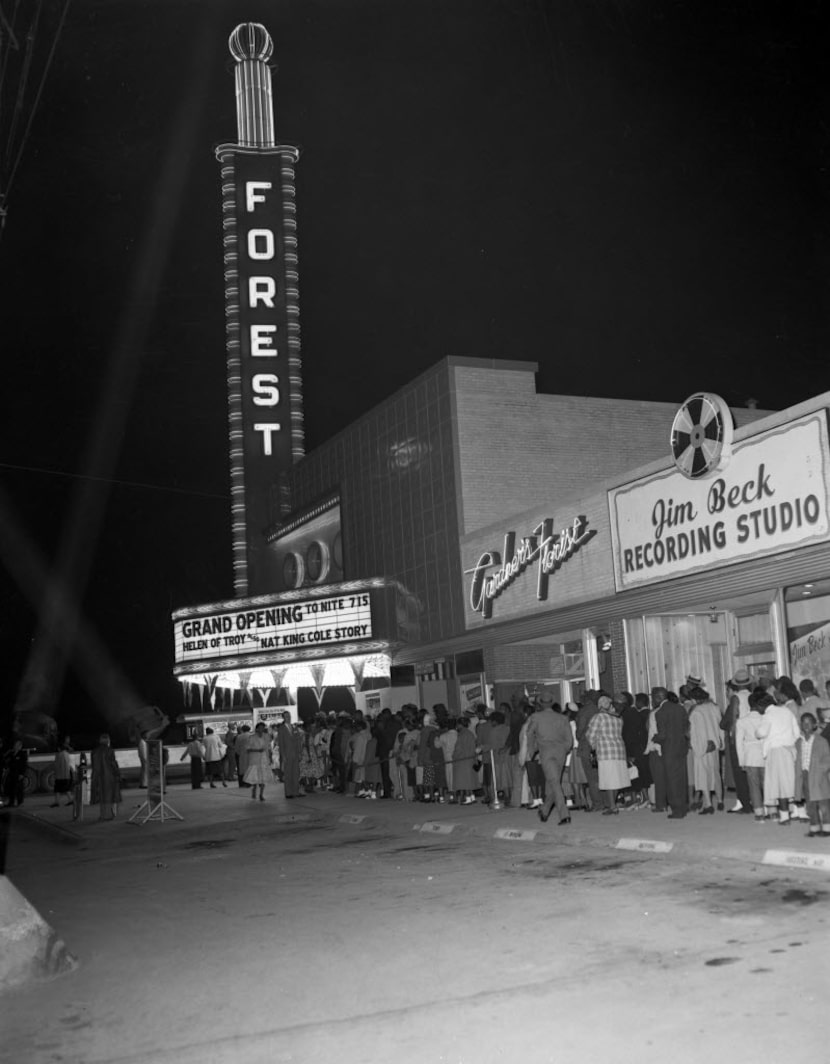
(771, 497)
(273, 625)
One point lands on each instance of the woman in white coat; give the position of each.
(780, 733)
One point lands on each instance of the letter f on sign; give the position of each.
(252, 196)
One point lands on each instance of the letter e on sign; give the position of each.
(262, 341)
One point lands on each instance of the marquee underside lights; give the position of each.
(326, 672)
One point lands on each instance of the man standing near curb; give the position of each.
(550, 733)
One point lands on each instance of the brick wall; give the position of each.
(618, 670)
(517, 449)
(518, 661)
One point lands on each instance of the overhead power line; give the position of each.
(114, 480)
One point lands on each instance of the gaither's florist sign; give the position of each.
(772, 496)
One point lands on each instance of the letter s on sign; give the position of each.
(266, 392)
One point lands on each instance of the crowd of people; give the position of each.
(102, 772)
(671, 753)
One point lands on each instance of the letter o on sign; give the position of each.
(260, 244)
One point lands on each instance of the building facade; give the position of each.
(469, 538)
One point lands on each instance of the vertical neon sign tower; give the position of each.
(265, 401)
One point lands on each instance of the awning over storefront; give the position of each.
(709, 589)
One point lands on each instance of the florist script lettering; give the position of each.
(544, 546)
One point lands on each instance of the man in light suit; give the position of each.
(550, 734)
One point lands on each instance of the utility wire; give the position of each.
(113, 480)
(4, 193)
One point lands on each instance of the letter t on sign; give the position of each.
(546, 529)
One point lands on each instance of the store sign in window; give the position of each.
(543, 549)
(810, 657)
(773, 496)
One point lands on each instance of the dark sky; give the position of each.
(632, 194)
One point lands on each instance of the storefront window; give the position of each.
(745, 632)
(808, 632)
(520, 669)
(664, 650)
(754, 647)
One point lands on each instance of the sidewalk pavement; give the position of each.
(718, 837)
(30, 949)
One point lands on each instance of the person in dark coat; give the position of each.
(672, 738)
(586, 711)
(15, 763)
(549, 734)
(338, 751)
(289, 748)
(106, 779)
(385, 732)
(465, 779)
(635, 737)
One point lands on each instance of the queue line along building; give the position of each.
(469, 536)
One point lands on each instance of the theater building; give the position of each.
(470, 537)
(490, 527)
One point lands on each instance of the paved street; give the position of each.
(271, 932)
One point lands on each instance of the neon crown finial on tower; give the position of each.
(251, 46)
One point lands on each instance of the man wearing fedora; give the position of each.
(550, 733)
(738, 706)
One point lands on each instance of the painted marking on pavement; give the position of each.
(435, 827)
(515, 833)
(350, 818)
(290, 818)
(794, 859)
(646, 845)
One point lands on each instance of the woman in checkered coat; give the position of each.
(605, 737)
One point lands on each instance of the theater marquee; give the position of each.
(273, 627)
(773, 496)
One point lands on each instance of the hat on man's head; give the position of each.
(741, 679)
(544, 698)
(693, 680)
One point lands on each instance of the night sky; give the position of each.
(632, 194)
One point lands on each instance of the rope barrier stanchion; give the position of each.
(495, 804)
